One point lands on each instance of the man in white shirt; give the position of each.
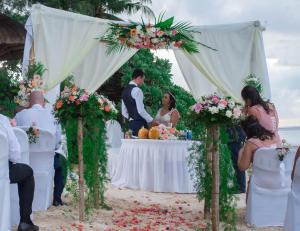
(20, 174)
(43, 118)
(133, 103)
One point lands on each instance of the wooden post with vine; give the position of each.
(215, 217)
(208, 146)
(80, 168)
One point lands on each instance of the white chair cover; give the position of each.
(292, 219)
(114, 136)
(41, 160)
(4, 185)
(14, 196)
(269, 188)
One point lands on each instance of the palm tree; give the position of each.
(95, 8)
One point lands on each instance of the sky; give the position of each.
(281, 19)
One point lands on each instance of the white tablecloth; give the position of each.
(154, 165)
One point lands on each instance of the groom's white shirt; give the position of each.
(138, 95)
(42, 117)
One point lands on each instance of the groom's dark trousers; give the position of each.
(22, 175)
(136, 125)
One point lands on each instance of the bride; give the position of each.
(168, 114)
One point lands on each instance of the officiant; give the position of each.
(133, 107)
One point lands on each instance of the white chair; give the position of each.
(114, 136)
(14, 196)
(4, 185)
(269, 187)
(292, 219)
(41, 160)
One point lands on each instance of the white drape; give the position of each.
(240, 52)
(66, 43)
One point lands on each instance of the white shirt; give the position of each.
(138, 95)
(42, 118)
(14, 154)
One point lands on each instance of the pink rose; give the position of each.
(36, 77)
(138, 46)
(215, 99)
(237, 112)
(13, 122)
(165, 136)
(84, 98)
(174, 32)
(224, 102)
(198, 107)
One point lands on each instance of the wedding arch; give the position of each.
(67, 43)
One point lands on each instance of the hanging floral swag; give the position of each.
(164, 34)
(94, 110)
(33, 82)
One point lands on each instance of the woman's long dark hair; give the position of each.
(253, 95)
(253, 129)
(172, 104)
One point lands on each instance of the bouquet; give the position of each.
(164, 34)
(74, 102)
(283, 151)
(33, 134)
(33, 82)
(216, 109)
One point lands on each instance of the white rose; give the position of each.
(221, 106)
(213, 110)
(228, 114)
(155, 40)
(231, 104)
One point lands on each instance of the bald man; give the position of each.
(43, 118)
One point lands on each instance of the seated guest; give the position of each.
(295, 161)
(257, 137)
(264, 111)
(43, 118)
(168, 114)
(20, 174)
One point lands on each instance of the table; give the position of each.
(154, 165)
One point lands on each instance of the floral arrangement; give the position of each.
(74, 102)
(216, 109)
(33, 82)
(253, 81)
(167, 133)
(283, 151)
(164, 34)
(33, 134)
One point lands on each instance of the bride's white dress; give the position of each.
(164, 119)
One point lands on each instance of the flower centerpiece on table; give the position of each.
(33, 82)
(215, 109)
(164, 34)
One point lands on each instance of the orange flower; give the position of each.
(106, 108)
(133, 32)
(172, 130)
(71, 98)
(59, 104)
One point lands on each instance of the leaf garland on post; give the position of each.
(93, 110)
(164, 34)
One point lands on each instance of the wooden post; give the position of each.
(80, 168)
(215, 179)
(208, 147)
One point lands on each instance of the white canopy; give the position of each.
(66, 43)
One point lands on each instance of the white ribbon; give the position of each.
(282, 173)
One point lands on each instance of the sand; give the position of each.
(137, 211)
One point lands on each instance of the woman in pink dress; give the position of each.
(264, 111)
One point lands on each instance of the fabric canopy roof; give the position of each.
(66, 43)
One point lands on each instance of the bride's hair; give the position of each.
(253, 129)
(172, 104)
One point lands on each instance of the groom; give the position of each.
(133, 103)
